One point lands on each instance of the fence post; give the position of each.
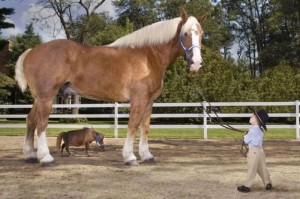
(297, 119)
(116, 120)
(204, 121)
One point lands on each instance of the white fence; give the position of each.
(116, 115)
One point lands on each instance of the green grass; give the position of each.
(172, 133)
(156, 133)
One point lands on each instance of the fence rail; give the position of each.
(116, 115)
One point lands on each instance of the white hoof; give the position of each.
(30, 154)
(128, 155)
(129, 158)
(146, 155)
(47, 159)
(132, 163)
(43, 153)
(28, 150)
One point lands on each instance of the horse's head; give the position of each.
(190, 40)
(99, 139)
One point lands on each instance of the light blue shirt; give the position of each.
(254, 137)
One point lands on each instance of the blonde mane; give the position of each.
(157, 33)
(189, 23)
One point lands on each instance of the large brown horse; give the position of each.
(131, 69)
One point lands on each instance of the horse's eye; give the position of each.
(185, 34)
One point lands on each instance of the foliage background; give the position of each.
(265, 34)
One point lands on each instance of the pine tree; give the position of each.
(4, 12)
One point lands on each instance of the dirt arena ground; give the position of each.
(183, 169)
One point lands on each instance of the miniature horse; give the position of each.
(131, 69)
(79, 137)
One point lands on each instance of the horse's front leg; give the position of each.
(128, 155)
(137, 110)
(144, 152)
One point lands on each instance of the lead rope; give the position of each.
(244, 148)
(219, 120)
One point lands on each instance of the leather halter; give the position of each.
(186, 50)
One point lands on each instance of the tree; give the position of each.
(111, 32)
(170, 9)
(283, 29)
(139, 12)
(249, 24)
(21, 43)
(68, 12)
(5, 82)
(281, 83)
(85, 29)
(4, 12)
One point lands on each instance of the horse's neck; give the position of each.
(166, 54)
(175, 50)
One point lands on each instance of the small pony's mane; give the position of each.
(157, 33)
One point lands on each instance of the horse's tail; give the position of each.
(19, 71)
(58, 141)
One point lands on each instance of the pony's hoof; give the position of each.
(32, 160)
(149, 161)
(132, 163)
(47, 164)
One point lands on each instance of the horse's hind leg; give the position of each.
(28, 148)
(144, 152)
(62, 149)
(67, 148)
(44, 106)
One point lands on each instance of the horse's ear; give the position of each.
(203, 18)
(183, 15)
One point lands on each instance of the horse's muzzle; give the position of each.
(101, 145)
(194, 67)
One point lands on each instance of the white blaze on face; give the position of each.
(197, 59)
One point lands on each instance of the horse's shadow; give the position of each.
(110, 156)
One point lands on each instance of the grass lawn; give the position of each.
(155, 133)
(171, 133)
